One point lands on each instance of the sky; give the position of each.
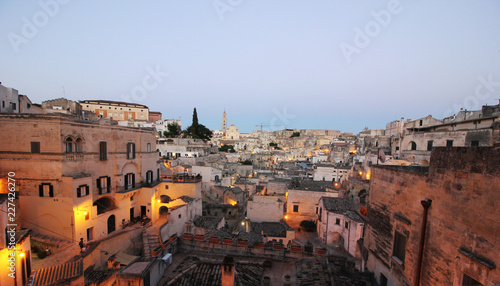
(341, 65)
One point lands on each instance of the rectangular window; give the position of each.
(449, 143)
(468, 281)
(82, 191)
(46, 190)
(337, 221)
(103, 152)
(295, 208)
(149, 177)
(14, 106)
(429, 145)
(346, 225)
(148, 147)
(35, 147)
(399, 246)
(129, 181)
(130, 150)
(474, 143)
(397, 148)
(90, 233)
(103, 185)
(87, 216)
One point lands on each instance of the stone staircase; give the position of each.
(51, 242)
(150, 241)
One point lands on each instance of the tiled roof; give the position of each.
(194, 271)
(276, 229)
(207, 222)
(343, 206)
(98, 276)
(55, 274)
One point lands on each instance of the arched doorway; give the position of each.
(104, 204)
(163, 210)
(164, 199)
(111, 224)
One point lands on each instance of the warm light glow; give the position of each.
(233, 203)
(242, 223)
(360, 173)
(85, 213)
(21, 254)
(158, 201)
(286, 217)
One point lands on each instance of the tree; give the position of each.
(197, 130)
(246, 162)
(295, 134)
(173, 130)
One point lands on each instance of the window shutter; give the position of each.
(109, 184)
(126, 181)
(158, 174)
(78, 192)
(133, 180)
(51, 190)
(133, 150)
(40, 190)
(98, 184)
(87, 190)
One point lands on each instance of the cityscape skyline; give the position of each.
(329, 65)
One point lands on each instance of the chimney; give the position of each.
(228, 271)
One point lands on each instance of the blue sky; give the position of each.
(300, 64)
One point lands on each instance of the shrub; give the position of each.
(308, 224)
(41, 254)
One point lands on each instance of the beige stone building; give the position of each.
(436, 225)
(116, 109)
(79, 178)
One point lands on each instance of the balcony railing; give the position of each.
(142, 184)
(73, 157)
(182, 178)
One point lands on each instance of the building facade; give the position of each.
(437, 225)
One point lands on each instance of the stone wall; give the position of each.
(462, 227)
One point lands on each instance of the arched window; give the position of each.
(79, 145)
(412, 145)
(69, 145)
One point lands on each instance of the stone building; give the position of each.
(331, 173)
(302, 200)
(9, 100)
(262, 208)
(79, 178)
(438, 225)
(340, 224)
(116, 109)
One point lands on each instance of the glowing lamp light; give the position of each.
(85, 213)
(360, 173)
(242, 223)
(286, 217)
(158, 201)
(21, 254)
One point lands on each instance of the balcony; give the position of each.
(142, 184)
(73, 157)
(182, 178)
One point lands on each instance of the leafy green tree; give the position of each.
(246, 162)
(295, 134)
(173, 130)
(227, 148)
(197, 130)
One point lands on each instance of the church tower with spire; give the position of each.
(224, 124)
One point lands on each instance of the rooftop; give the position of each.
(276, 229)
(207, 222)
(343, 206)
(56, 274)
